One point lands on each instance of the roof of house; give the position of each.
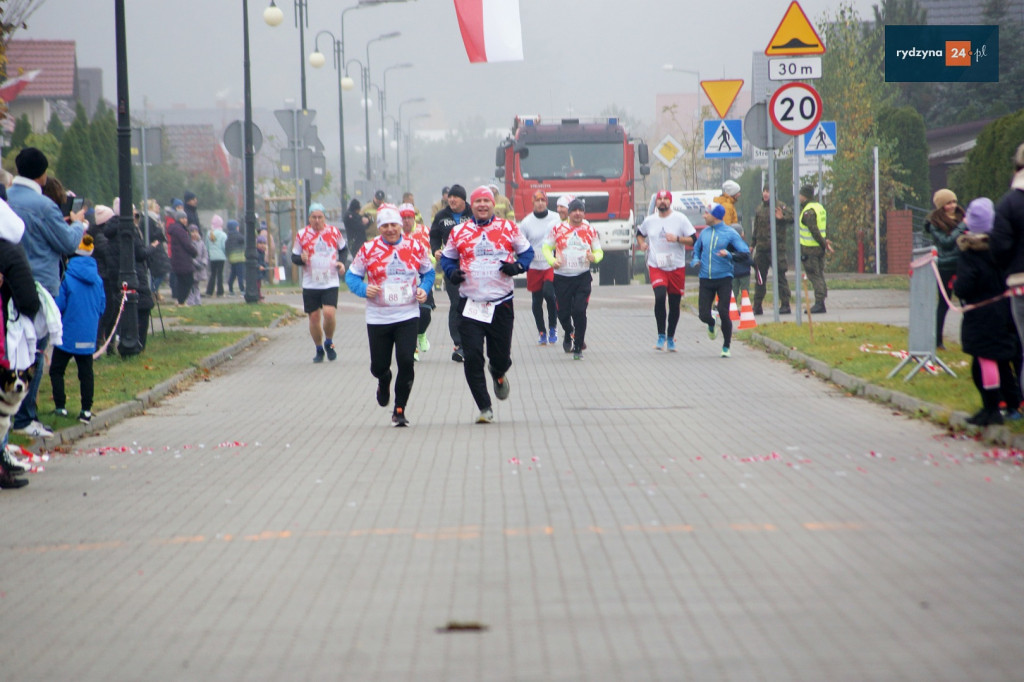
(55, 60)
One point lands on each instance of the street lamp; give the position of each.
(252, 272)
(670, 67)
(129, 343)
(366, 94)
(273, 16)
(317, 60)
(398, 137)
(383, 107)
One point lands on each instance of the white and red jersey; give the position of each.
(421, 234)
(536, 230)
(396, 269)
(480, 251)
(661, 253)
(571, 245)
(321, 268)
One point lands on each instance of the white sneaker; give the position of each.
(13, 463)
(36, 429)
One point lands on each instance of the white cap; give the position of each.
(387, 214)
(564, 200)
(730, 188)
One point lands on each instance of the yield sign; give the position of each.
(795, 35)
(722, 93)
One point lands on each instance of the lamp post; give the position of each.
(408, 141)
(129, 343)
(273, 16)
(383, 107)
(398, 137)
(252, 272)
(366, 94)
(316, 60)
(670, 67)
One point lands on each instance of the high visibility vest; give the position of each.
(805, 234)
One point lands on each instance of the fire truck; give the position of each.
(591, 160)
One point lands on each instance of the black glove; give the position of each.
(457, 277)
(511, 269)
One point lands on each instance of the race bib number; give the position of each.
(398, 293)
(320, 267)
(575, 259)
(482, 311)
(663, 261)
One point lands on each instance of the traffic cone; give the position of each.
(734, 313)
(747, 319)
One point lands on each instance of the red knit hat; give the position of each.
(481, 192)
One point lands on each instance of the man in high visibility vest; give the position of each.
(814, 245)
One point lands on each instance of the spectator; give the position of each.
(156, 253)
(945, 225)
(234, 248)
(355, 226)
(182, 251)
(200, 264)
(191, 208)
(142, 271)
(109, 269)
(215, 243)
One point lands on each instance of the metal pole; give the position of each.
(798, 290)
(128, 343)
(398, 150)
(339, 57)
(383, 161)
(145, 182)
(251, 267)
(366, 111)
(878, 252)
(774, 226)
(301, 20)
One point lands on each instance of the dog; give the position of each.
(13, 389)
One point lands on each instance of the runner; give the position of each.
(446, 220)
(421, 233)
(570, 249)
(540, 277)
(664, 236)
(481, 257)
(394, 275)
(321, 250)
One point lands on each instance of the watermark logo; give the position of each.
(968, 54)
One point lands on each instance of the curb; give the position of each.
(999, 435)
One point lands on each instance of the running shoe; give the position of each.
(567, 344)
(319, 357)
(486, 416)
(725, 352)
(416, 355)
(332, 354)
(502, 388)
(384, 392)
(660, 344)
(398, 418)
(711, 331)
(671, 345)
(36, 429)
(553, 335)
(422, 342)
(458, 355)
(85, 416)
(61, 412)
(543, 340)
(577, 354)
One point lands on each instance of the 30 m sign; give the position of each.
(795, 108)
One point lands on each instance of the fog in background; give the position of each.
(582, 57)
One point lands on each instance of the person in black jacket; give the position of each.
(987, 333)
(1007, 238)
(156, 254)
(234, 249)
(142, 273)
(446, 219)
(355, 226)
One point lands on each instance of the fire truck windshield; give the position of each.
(577, 160)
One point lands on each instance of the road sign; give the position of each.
(235, 144)
(782, 153)
(296, 122)
(723, 139)
(794, 68)
(795, 108)
(154, 142)
(821, 141)
(722, 93)
(795, 35)
(668, 151)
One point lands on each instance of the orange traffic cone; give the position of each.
(747, 319)
(734, 313)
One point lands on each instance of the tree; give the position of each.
(904, 129)
(55, 127)
(76, 168)
(103, 145)
(989, 166)
(45, 142)
(22, 129)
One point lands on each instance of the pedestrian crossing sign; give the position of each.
(821, 141)
(723, 139)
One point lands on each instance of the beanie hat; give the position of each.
(494, 189)
(407, 210)
(980, 215)
(86, 246)
(180, 215)
(540, 194)
(232, 225)
(379, 195)
(730, 188)
(458, 191)
(189, 196)
(102, 214)
(387, 214)
(564, 200)
(717, 210)
(31, 163)
(315, 206)
(216, 222)
(943, 197)
(807, 192)
(177, 203)
(664, 194)
(576, 205)
(444, 190)
(482, 192)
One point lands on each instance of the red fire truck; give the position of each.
(589, 159)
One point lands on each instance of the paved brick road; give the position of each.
(635, 516)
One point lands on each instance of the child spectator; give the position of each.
(81, 301)
(200, 264)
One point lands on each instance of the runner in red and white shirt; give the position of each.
(420, 233)
(394, 274)
(320, 249)
(540, 277)
(482, 256)
(664, 235)
(570, 249)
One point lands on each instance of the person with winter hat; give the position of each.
(1007, 239)
(320, 250)
(216, 240)
(540, 278)
(81, 301)
(445, 222)
(945, 225)
(712, 254)
(664, 236)
(730, 195)
(987, 333)
(182, 251)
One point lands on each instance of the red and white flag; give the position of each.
(491, 30)
(11, 88)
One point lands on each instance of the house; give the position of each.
(55, 87)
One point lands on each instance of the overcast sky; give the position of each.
(580, 55)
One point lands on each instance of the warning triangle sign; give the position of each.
(722, 141)
(722, 94)
(795, 35)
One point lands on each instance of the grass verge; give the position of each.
(230, 314)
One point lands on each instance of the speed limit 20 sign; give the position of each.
(795, 108)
